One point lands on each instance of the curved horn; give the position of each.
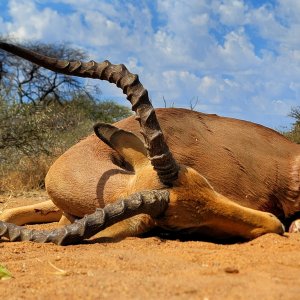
(158, 151)
(152, 203)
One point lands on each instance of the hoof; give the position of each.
(295, 226)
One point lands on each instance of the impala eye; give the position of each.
(119, 161)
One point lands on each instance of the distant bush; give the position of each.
(32, 136)
(294, 134)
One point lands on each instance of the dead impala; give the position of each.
(200, 173)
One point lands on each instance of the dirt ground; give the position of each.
(150, 268)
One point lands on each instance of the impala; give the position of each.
(174, 169)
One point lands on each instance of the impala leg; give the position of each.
(42, 212)
(295, 226)
(131, 227)
(67, 219)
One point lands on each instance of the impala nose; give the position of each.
(279, 227)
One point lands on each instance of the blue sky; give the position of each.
(234, 58)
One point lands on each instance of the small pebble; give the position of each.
(231, 270)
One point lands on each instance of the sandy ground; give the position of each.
(150, 268)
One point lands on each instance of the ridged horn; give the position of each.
(158, 151)
(153, 203)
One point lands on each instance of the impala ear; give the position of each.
(127, 144)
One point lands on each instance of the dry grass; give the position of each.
(28, 174)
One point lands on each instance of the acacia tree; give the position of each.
(22, 81)
(37, 105)
(295, 113)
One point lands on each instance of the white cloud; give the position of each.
(232, 12)
(30, 23)
(196, 48)
(289, 10)
(237, 53)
